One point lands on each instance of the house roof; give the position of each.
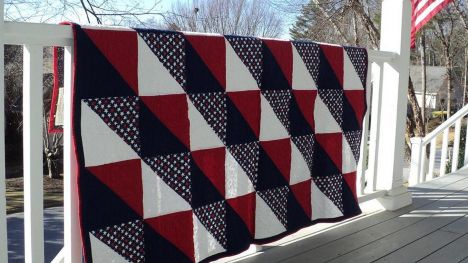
(435, 78)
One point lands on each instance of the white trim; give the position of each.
(3, 220)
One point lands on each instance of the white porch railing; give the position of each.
(423, 166)
(381, 140)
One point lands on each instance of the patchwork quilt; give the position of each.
(191, 147)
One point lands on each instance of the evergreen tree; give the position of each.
(304, 23)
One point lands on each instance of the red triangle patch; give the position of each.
(282, 51)
(177, 228)
(124, 179)
(172, 111)
(280, 153)
(211, 163)
(248, 104)
(245, 208)
(212, 50)
(357, 99)
(302, 192)
(350, 179)
(334, 56)
(332, 143)
(115, 45)
(306, 101)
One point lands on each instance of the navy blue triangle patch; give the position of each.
(268, 175)
(272, 76)
(322, 163)
(199, 77)
(238, 130)
(105, 82)
(298, 124)
(159, 249)
(156, 139)
(203, 190)
(297, 218)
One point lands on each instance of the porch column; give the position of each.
(395, 37)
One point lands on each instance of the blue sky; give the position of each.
(33, 13)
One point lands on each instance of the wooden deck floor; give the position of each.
(433, 229)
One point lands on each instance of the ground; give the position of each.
(53, 193)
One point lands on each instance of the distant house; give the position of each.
(436, 88)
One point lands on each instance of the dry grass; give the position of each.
(53, 193)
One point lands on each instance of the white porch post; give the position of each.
(416, 159)
(395, 37)
(3, 225)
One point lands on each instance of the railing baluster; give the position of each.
(72, 246)
(32, 143)
(362, 163)
(3, 222)
(456, 145)
(361, 166)
(422, 172)
(377, 74)
(443, 158)
(465, 161)
(430, 172)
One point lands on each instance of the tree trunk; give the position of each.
(423, 79)
(465, 75)
(52, 167)
(417, 118)
(448, 68)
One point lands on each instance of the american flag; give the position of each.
(423, 11)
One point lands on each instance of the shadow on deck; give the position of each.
(433, 229)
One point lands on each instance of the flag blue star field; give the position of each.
(191, 147)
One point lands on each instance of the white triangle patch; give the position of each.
(301, 78)
(322, 206)
(102, 253)
(205, 244)
(237, 182)
(202, 135)
(324, 121)
(98, 138)
(351, 80)
(158, 198)
(299, 169)
(153, 77)
(266, 222)
(238, 76)
(271, 127)
(348, 162)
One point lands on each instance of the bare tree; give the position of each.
(111, 12)
(451, 39)
(238, 17)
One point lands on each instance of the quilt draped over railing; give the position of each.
(192, 146)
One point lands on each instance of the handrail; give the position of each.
(449, 122)
(20, 33)
(422, 169)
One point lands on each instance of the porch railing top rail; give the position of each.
(422, 166)
(446, 124)
(21, 33)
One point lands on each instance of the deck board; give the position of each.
(433, 227)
